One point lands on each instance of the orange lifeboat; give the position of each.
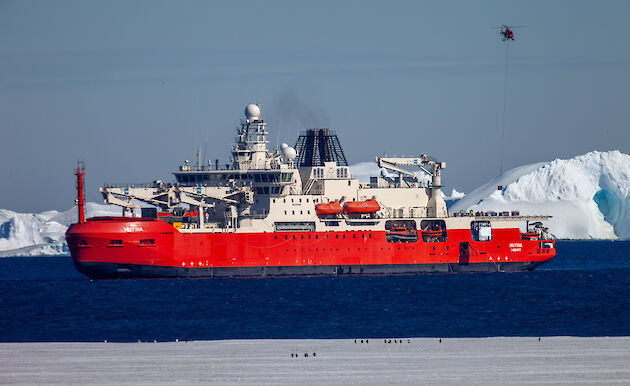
(328, 208)
(361, 207)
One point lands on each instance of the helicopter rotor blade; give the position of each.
(510, 27)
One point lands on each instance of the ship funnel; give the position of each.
(317, 146)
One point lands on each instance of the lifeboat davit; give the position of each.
(432, 233)
(361, 207)
(530, 235)
(328, 208)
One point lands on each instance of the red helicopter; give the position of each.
(506, 32)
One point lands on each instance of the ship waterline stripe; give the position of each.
(103, 270)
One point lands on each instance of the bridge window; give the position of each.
(318, 172)
(342, 172)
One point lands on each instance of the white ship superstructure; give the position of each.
(266, 191)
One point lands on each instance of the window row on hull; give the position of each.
(201, 178)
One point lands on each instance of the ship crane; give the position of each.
(170, 196)
(393, 163)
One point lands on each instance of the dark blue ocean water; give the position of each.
(584, 291)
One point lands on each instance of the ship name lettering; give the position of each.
(132, 228)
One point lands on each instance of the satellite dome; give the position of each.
(252, 112)
(288, 153)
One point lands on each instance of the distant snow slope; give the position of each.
(588, 196)
(27, 234)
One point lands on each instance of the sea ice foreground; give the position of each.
(588, 197)
(497, 361)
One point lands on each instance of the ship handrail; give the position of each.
(139, 185)
(309, 186)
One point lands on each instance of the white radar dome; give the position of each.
(288, 153)
(252, 112)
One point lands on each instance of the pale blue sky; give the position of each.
(133, 87)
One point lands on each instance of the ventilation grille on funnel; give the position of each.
(317, 146)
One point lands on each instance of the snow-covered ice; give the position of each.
(28, 234)
(497, 361)
(456, 194)
(588, 195)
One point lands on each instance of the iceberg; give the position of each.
(588, 195)
(28, 234)
(455, 194)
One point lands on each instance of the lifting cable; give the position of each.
(505, 87)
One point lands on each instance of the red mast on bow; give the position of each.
(80, 172)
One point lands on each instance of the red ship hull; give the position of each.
(127, 247)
